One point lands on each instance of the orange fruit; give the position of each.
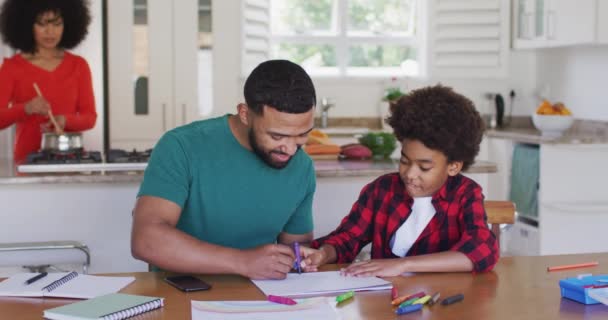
(545, 108)
(561, 109)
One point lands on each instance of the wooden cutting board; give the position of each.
(324, 156)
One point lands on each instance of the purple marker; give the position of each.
(296, 249)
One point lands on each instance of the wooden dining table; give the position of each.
(517, 288)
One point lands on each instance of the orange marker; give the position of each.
(402, 299)
(573, 266)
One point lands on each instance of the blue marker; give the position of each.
(296, 249)
(408, 309)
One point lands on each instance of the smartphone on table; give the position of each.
(187, 283)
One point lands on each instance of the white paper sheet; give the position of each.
(312, 283)
(306, 309)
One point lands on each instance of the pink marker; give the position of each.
(281, 300)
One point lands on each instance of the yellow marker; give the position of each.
(423, 300)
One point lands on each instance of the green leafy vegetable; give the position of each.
(381, 144)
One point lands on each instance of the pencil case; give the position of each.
(578, 288)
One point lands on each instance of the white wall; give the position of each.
(227, 87)
(92, 50)
(6, 143)
(354, 97)
(577, 76)
(6, 135)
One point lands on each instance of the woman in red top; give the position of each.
(42, 30)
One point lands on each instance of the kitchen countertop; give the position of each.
(333, 168)
(581, 132)
(323, 168)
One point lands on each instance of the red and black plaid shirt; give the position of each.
(459, 223)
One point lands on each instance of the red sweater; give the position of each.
(68, 89)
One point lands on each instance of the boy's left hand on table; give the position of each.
(375, 268)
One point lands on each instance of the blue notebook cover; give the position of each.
(578, 288)
(115, 305)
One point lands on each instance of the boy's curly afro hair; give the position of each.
(17, 18)
(442, 120)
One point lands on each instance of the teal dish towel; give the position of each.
(525, 173)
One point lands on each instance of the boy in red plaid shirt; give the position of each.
(428, 217)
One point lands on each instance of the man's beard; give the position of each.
(266, 156)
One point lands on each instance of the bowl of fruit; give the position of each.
(552, 120)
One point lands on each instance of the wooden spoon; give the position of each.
(58, 129)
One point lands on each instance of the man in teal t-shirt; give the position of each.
(231, 194)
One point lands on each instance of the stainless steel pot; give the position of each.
(61, 142)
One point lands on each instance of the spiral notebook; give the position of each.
(62, 284)
(113, 306)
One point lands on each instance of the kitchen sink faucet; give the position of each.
(325, 105)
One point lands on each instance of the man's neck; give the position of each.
(240, 131)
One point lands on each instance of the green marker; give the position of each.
(408, 302)
(345, 296)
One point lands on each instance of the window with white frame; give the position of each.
(425, 38)
(346, 37)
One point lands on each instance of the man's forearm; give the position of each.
(173, 250)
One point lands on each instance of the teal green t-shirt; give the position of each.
(228, 195)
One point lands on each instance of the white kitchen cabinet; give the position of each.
(553, 23)
(521, 239)
(573, 211)
(159, 66)
(499, 151)
(96, 214)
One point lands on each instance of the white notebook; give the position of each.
(63, 285)
(315, 283)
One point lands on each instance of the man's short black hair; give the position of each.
(282, 85)
(17, 18)
(442, 120)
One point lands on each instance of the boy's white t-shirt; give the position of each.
(422, 213)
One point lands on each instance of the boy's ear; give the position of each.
(243, 113)
(454, 168)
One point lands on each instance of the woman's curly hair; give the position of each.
(442, 120)
(17, 18)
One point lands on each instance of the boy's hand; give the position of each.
(312, 259)
(375, 268)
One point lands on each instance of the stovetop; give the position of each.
(72, 157)
(85, 161)
(123, 156)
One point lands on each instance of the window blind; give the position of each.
(468, 38)
(256, 33)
